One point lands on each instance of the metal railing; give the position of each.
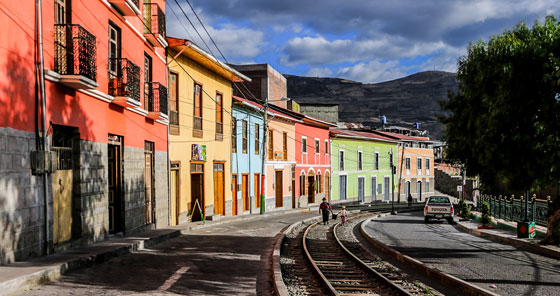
(154, 19)
(75, 51)
(173, 117)
(513, 209)
(63, 157)
(124, 79)
(155, 97)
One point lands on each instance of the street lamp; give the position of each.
(265, 131)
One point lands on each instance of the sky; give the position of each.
(362, 40)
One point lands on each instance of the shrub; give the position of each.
(465, 211)
(486, 219)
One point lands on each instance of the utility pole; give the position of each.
(392, 183)
(263, 173)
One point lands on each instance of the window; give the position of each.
(285, 146)
(319, 183)
(147, 82)
(326, 147)
(317, 145)
(114, 50)
(359, 160)
(407, 163)
(427, 163)
(376, 160)
(60, 10)
(197, 112)
(245, 136)
(427, 186)
(419, 163)
(304, 145)
(173, 99)
(257, 139)
(219, 117)
(341, 160)
(270, 145)
(233, 135)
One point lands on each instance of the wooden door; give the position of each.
(293, 186)
(311, 189)
(361, 184)
(115, 189)
(234, 191)
(257, 187)
(219, 200)
(62, 197)
(197, 196)
(245, 191)
(327, 186)
(174, 198)
(386, 188)
(149, 202)
(279, 189)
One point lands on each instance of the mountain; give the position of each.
(403, 101)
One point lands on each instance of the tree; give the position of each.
(505, 120)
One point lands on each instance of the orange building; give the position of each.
(103, 167)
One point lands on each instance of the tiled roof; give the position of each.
(361, 135)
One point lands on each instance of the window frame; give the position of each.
(304, 145)
(341, 160)
(233, 134)
(317, 146)
(244, 137)
(257, 139)
(376, 161)
(360, 161)
(284, 146)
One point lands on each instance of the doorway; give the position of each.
(279, 189)
(419, 190)
(293, 187)
(219, 200)
(257, 187)
(234, 190)
(245, 191)
(149, 180)
(175, 207)
(311, 188)
(197, 191)
(342, 187)
(387, 188)
(373, 188)
(114, 154)
(361, 189)
(327, 186)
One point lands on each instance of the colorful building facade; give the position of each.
(360, 164)
(200, 133)
(247, 155)
(103, 167)
(313, 161)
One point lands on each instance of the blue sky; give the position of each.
(362, 40)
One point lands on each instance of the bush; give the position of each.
(486, 219)
(465, 211)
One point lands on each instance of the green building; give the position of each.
(360, 164)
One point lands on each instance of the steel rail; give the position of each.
(316, 269)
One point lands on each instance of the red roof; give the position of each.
(356, 134)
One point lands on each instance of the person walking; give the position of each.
(409, 199)
(325, 209)
(343, 215)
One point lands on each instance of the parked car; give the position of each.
(438, 207)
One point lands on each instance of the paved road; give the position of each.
(227, 259)
(476, 260)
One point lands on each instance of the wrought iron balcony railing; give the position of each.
(155, 97)
(154, 19)
(124, 79)
(173, 117)
(75, 51)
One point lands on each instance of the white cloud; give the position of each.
(319, 72)
(372, 72)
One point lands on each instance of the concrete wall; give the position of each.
(324, 112)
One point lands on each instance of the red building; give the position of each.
(104, 107)
(313, 161)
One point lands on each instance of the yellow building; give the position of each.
(200, 99)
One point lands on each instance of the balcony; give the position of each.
(127, 7)
(197, 127)
(173, 122)
(75, 56)
(219, 131)
(155, 100)
(124, 82)
(154, 25)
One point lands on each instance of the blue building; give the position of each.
(247, 152)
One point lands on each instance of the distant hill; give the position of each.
(404, 100)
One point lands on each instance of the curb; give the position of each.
(52, 273)
(446, 279)
(532, 247)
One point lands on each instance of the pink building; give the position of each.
(313, 161)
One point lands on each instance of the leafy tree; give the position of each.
(505, 121)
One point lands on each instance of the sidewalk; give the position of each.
(506, 232)
(25, 275)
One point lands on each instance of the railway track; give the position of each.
(324, 261)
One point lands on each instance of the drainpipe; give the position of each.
(45, 147)
(169, 160)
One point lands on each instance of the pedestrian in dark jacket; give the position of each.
(409, 199)
(325, 209)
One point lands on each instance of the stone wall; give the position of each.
(134, 189)
(21, 198)
(162, 189)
